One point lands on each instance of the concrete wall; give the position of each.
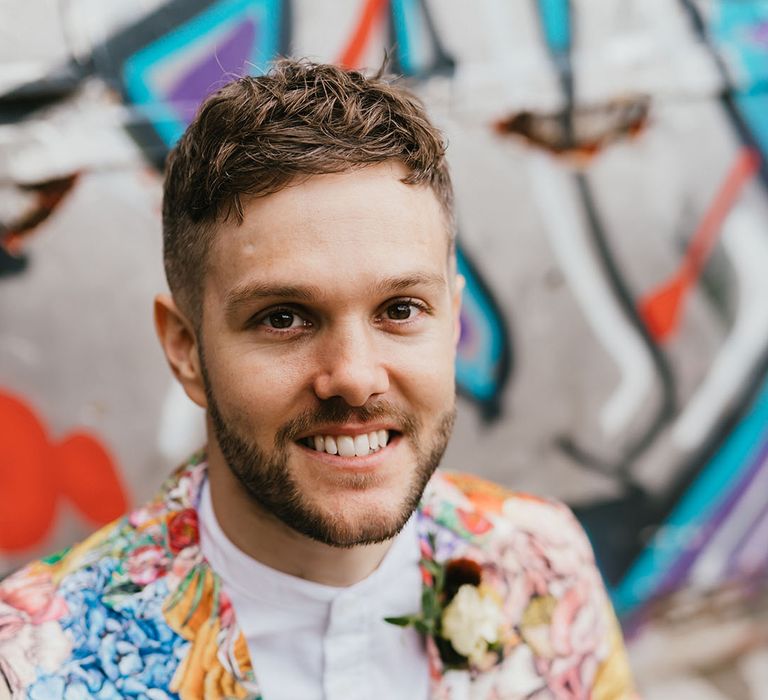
(609, 162)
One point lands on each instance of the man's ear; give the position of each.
(179, 342)
(458, 289)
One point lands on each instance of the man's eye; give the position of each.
(400, 311)
(283, 319)
(404, 310)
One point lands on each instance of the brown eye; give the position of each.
(281, 319)
(400, 311)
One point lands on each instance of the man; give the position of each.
(312, 551)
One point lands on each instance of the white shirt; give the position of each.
(309, 641)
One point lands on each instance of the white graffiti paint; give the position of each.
(746, 244)
(181, 430)
(551, 183)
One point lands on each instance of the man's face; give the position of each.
(330, 321)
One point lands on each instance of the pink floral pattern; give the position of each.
(135, 610)
(563, 641)
(30, 637)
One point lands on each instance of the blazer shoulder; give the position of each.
(57, 565)
(492, 512)
(486, 494)
(561, 629)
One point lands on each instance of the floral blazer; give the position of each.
(136, 611)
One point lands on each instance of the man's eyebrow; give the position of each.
(402, 283)
(253, 291)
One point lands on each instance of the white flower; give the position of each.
(471, 622)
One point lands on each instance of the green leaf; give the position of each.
(432, 566)
(127, 588)
(56, 558)
(432, 539)
(440, 579)
(422, 626)
(430, 606)
(402, 621)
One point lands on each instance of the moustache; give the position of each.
(337, 411)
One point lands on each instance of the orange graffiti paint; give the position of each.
(661, 309)
(579, 134)
(36, 472)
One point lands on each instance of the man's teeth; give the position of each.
(350, 445)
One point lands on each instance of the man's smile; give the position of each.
(358, 451)
(353, 438)
(354, 445)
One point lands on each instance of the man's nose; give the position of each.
(351, 365)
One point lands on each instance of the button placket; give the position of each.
(346, 648)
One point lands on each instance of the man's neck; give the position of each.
(267, 539)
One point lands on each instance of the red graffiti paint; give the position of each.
(373, 12)
(36, 472)
(661, 310)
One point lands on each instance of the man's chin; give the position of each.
(356, 530)
(338, 501)
(354, 513)
(348, 507)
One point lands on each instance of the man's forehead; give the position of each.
(367, 207)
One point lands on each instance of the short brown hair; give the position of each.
(258, 135)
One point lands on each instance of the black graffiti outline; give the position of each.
(654, 510)
(687, 470)
(726, 94)
(667, 408)
(150, 29)
(442, 61)
(106, 60)
(618, 468)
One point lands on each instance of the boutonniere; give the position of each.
(461, 613)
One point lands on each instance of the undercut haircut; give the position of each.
(258, 135)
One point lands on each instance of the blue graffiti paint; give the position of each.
(741, 31)
(555, 18)
(482, 361)
(417, 45)
(724, 472)
(144, 76)
(406, 21)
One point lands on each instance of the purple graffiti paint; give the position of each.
(759, 34)
(751, 554)
(678, 572)
(228, 60)
(465, 337)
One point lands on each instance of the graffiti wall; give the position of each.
(612, 188)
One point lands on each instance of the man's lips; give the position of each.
(373, 459)
(350, 428)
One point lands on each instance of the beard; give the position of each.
(267, 479)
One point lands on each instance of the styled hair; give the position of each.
(258, 135)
